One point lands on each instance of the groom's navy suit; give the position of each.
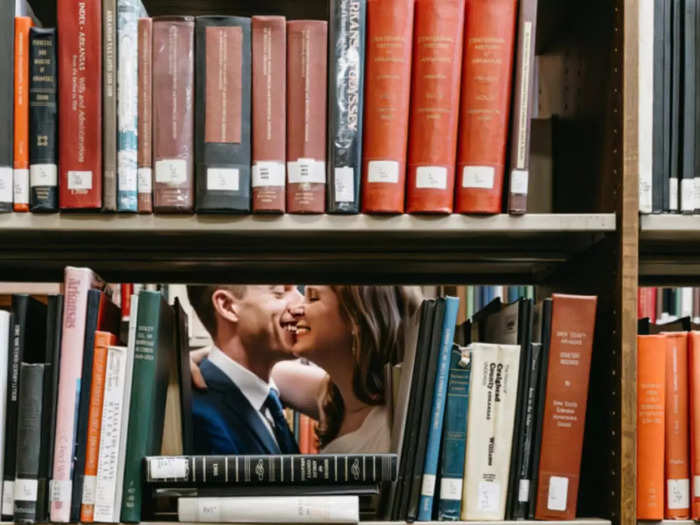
(224, 421)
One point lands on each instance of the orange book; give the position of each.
(21, 114)
(694, 378)
(676, 456)
(304, 434)
(97, 390)
(651, 388)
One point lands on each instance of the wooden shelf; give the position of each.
(669, 249)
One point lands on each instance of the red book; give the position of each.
(694, 379)
(80, 100)
(487, 70)
(646, 303)
(432, 142)
(387, 98)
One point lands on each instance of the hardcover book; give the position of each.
(21, 114)
(694, 384)
(687, 175)
(7, 25)
(5, 365)
(109, 104)
(145, 117)
(646, 101)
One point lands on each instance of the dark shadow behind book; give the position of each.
(643, 326)
(659, 185)
(682, 324)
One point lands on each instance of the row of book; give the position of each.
(668, 112)
(663, 305)
(419, 106)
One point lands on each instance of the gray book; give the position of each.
(109, 105)
(7, 39)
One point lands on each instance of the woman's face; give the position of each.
(321, 330)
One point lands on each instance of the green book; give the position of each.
(155, 347)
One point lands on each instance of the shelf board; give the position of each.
(578, 521)
(669, 249)
(300, 248)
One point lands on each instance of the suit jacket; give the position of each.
(224, 421)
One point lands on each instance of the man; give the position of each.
(240, 411)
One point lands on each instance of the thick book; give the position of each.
(43, 120)
(173, 114)
(80, 100)
(571, 346)
(435, 92)
(676, 103)
(109, 104)
(154, 349)
(523, 107)
(7, 37)
(5, 364)
(144, 158)
(21, 114)
(454, 435)
(222, 114)
(687, 175)
(346, 81)
(658, 58)
(694, 385)
(651, 388)
(77, 283)
(269, 55)
(645, 102)
(387, 97)
(485, 105)
(307, 63)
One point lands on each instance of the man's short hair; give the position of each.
(200, 299)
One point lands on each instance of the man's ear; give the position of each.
(225, 305)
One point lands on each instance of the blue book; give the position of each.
(454, 437)
(513, 293)
(432, 451)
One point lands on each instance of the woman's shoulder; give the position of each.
(373, 436)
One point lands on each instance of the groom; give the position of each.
(240, 411)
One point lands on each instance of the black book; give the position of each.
(408, 449)
(676, 101)
(668, 90)
(43, 120)
(184, 379)
(687, 114)
(222, 114)
(424, 425)
(7, 77)
(346, 45)
(682, 324)
(643, 326)
(29, 417)
(659, 185)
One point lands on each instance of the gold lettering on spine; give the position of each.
(524, 95)
(267, 73)
(173, 74)
(306, 74)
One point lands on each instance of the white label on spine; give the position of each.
(89, 490)
(524, 96)
(489, 496)
(451, 488)
(673, 193)
(21, 186)
(696, 483)
(306, 170)
(168, 468)
(26, 489)
(478, 177)
(128, 180)
(518, 182)
(145, 180)
(344, 184)
(644, 195)
(8, 497)
(223, 179)
(60, 490)
(386, 171)
(524, 490)
(43, 175)
(268, 173)
(688, 194)
(171, 171)
(697, 193)
(678, 493)
(428, 488)
(6, 185)
(434, 177)
(79, 180)
(557, 494)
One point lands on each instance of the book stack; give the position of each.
(418, 106)
(664, 305)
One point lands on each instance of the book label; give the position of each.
(524, 491)
(171, 171)
(673, 193)
(166, 468)
(696, 487)
(678, 493)
(451, 489)
(645, 194)
(79, 180)
(89, 484)
(60, 490)
(43, 175)
(688, 194)
(307, 170)
(223, 179)
(145, 182)
(127, 174)
(428, 488)
(489, 496)
(431, 177)
(697, 193)
(8, 497)
(344, 184)
(558, 493)
(268, 173)
(478, 177)
(21, 186)
(518, 182)
(385, 171)
(26, 489)
(6, 185)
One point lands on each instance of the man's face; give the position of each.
(263, 320)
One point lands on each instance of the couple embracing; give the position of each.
(350, 332)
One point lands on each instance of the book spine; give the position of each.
(454, 436)
(109, 104)
(269, 49)
(99, 369)
(173, 114)
(28, 442)
(127, 104)
(656, 60)
(271, 509)
(485, 105)
(523, 97)
(80, 99)
(387, 97)
(145, 116)
(696, 117)
(21, 114)
(573, 323)
(676, 93)
(435, 91)
(667, 101)
(7, 21)
(694, 380)
(345, 104)
(307, 62)
(432, 455)
(5, 365)
(645, 110)
(77, 283)
(687, 176)
(222, 114)
(43, 121)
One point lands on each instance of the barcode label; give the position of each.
(171, 171)
(8, 498)
(451, 489)
(428, 488)
(145, 181)
(678, 493)
(26, 489)
(266, 174)
(688, 195)
(344, 184)
(524, 490)
(431, 177)
(43, 175)
(79, 180)
(223, 179)
(673, 193)
(306, 170)
(558, 493)
(386, 171)
(6, 185)
(518, 182)
(21, 186)
(168, 468)
(478, 177)
(489, 496)
(89, 490)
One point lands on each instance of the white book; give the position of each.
(270, 509)
(493, 391)
(686, 301)
(645, 115)
(4, 353)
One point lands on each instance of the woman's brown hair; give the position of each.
(377, 315)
